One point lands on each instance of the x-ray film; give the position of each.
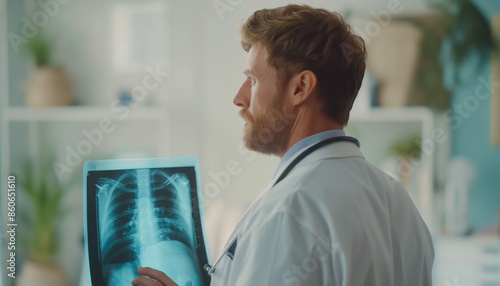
(144, 213)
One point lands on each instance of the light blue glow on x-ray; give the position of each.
(137, 229)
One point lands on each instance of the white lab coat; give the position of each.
(334, 220)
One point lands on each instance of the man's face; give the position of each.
(263, 105)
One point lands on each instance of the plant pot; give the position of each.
(40, 274)
(48, 86)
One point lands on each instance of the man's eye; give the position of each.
(252, 80)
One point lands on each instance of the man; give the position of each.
(328, 217)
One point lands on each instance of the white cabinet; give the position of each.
(81, 132)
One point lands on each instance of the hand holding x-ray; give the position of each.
(151, 277)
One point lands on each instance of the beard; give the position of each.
(269, 132)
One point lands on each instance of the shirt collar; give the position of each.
(306, 142)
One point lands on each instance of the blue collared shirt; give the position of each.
(308, 141)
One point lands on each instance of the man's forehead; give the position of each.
(256, 59)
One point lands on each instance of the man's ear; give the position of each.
(304, 85)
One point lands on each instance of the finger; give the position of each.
(157, 275)
(145, 281)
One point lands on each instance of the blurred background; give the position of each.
(89, 79)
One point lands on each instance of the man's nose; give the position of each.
(242, 97)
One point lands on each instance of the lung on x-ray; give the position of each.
(144, 213)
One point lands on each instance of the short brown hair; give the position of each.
(299, 37)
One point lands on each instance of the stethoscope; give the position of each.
(230, 248)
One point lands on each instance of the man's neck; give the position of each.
(308, 124)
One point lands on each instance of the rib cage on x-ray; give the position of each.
(138, 210)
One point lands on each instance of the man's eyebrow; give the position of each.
(248, 72)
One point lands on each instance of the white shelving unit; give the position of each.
(37, 119)
(40, 125)
(81, 114)
(29, 129)
(42, 121)
(26, 132)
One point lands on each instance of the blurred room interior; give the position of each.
(88, 79)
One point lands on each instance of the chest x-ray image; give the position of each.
(144, 217)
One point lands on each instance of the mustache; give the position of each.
(245, 114)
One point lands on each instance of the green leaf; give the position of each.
(469, 32)
(45, 194)
(40, 50)
(407, 147)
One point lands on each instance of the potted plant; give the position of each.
(448, 39)
(468, 32)
(42, 196)
(48, 85)
(458, 32)
(407, 150)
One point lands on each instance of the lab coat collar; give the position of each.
(334, 150)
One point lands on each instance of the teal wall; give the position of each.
(472, 138)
